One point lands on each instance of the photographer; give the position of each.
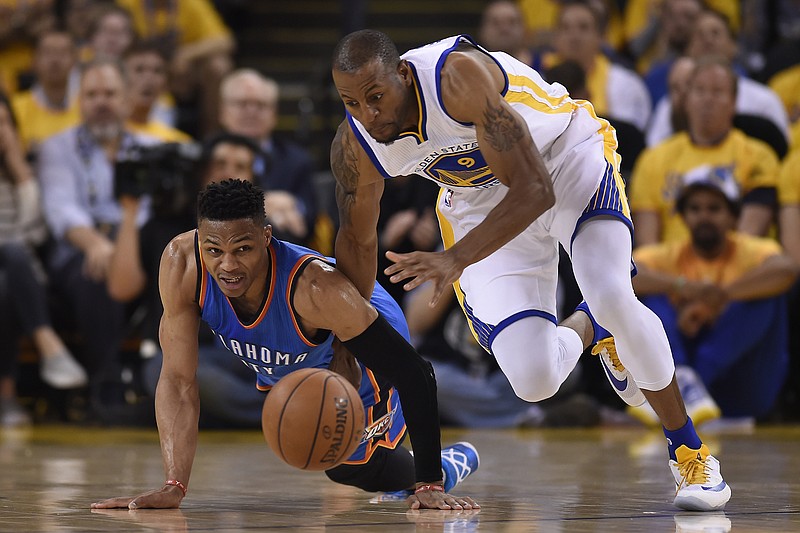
(171, 175)
(76, 172)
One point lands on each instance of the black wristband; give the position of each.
(384, 351)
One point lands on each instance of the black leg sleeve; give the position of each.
(384, 351)
(387, 470)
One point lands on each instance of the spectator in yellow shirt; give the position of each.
(51, 105)
(721, 297)
(711, 146)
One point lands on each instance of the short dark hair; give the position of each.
(735, 207)
(231, 199)
(145, 47)
(362, 47)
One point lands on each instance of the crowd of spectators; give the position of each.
(114, 113)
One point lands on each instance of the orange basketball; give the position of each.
(313, 419)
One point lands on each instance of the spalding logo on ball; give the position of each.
(313, 419)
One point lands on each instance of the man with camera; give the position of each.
(76, 172)
(170, 175)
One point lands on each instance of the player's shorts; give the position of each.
(520, 279)
(383, 416)
(385, 425)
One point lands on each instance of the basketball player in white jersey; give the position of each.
(521, 168)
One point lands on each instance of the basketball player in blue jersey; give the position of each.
(277, 306)
(522, 167)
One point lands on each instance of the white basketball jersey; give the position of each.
(446, 151)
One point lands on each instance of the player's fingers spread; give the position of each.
(473, 504)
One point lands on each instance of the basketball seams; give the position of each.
(320, 414)
(292, 429)
(286, 404)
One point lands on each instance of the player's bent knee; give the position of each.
(535, 392)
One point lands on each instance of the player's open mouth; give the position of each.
(231, 281)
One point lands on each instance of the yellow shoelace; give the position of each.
(610, 347)
(693, 472)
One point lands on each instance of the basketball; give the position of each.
(313, 419)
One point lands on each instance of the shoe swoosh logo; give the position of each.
(619, 384)
(716, 488)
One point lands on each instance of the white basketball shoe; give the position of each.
(699, 482)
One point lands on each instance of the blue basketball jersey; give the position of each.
(274, 344)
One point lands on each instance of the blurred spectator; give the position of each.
(24, 301)
(711, 35)
(196, 41)
(76, 171)
(407, 223)
(541, 19)
(721, 297)
(22, 22)
(789, 228)
(786, 85)
(51, 105)
(503, 29)
(110, 34)
(471, 389)
(615, 92)
(657, 42)
(710, 146)
(146, 78)
(284, 170)
(133, 273)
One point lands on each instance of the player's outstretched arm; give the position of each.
(326, 299)
(471, 87)
(359, 187)
(177, 399)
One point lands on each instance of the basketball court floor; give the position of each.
(598, 480)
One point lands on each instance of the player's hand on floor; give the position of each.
(167, 497)
(436, 499)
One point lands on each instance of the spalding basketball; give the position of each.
(313, 419)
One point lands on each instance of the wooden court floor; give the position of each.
(595, 480)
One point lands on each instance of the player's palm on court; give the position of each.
(419, 267)
(167, 497)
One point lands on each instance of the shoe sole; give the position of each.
(694, 503)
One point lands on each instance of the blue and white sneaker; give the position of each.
(619, 377)
(458, 461)
(698, 480)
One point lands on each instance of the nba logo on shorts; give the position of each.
(448, 198)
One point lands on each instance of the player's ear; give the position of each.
(404, 71)
(267, 235)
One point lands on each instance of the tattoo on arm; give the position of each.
(345, 170)
(502, 128)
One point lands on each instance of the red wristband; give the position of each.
(176, 483)
(429, 487)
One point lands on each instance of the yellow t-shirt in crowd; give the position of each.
(789, 180)
(786, 85)
(543, 15)
(743, 253)
(15, 59)
(160, 131)
(193, 20)
(36, 123)
(659, 172)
